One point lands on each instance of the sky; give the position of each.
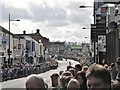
(58, 20)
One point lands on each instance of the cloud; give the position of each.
(57, 16)
(78, 15)
(60, 16)
(54, 16)
(58, 20)
(14, 12)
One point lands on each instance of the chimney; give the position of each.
(37, 31)
(24, 32)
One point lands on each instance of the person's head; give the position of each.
(112, 65)
(78, 67)
(35, 82)
(80, 76)
(84, 68)
(98, 78)
(66, 73)
(73, 84)
(68, 67)
(106, 66)
(63, 76)
(55, 79)
(118, 64)
(72, 70)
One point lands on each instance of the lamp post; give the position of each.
(82, 6)
(85, 28)
(9, 52)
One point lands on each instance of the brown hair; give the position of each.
(100, 72)
(73, 84)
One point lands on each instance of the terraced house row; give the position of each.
(23, 47)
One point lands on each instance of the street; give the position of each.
(20, 83)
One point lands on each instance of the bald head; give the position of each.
(33, 82)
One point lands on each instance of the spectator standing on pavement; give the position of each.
(116, 84)
(72, 70)
(80, 76)
(64, 75)
(73, 84)
(118, 67)
(69, 67)
(84, 69)
(67, 79)
(78, 67)
(55, 81)
(98, 78)
(35, 82)
(103, 62)
(113, 71)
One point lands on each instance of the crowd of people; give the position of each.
(79, 77)
(22, 70)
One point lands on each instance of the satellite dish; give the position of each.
(112, 26)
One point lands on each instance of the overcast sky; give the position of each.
(58, 20)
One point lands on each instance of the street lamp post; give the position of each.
(9, 52)
(82, 6)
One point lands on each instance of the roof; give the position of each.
(4, 30)
(36, 37)
(18, 36)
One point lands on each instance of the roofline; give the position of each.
(5, 30)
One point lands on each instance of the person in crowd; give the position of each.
(118, 65)
(80, 76)
(62, 83)
(62, 79)
(69, 63)
(55, 81)
(113, 71)
(78, 67)
(73, 84)
(116, 84)
(85, 68)
(60, 73)
(106, 66)
(72, 70)
(68, 67)
(66, 80)
(103, 62)
(98, 78)
(66, 73)
(35, 82)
